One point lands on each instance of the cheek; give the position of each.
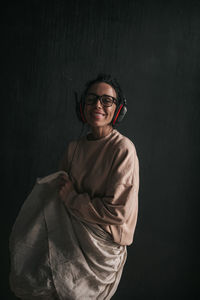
(113, 112)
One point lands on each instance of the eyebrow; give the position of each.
(101, 95)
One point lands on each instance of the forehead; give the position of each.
(102, 88)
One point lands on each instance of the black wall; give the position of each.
(51, 48)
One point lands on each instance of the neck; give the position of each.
(99, 132)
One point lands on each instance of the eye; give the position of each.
(90, 98)
(107, 100)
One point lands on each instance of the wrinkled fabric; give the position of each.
(54, 255)
(105, 176)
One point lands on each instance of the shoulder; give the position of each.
(123, 144)
(72, 144)
(70, 148)
(124, 160)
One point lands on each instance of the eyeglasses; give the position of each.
(105, 100)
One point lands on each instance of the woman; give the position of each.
(69, 239)
(102, 188)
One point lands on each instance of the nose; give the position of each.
(98, 103)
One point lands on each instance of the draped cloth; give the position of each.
(54, 255)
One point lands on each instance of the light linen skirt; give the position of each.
(54, 255)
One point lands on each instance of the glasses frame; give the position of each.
(100, 98)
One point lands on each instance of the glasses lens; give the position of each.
(90, 99)
(107, 101)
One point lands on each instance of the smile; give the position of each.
(97, 115)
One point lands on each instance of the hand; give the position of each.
(66, 186)
(62, 179)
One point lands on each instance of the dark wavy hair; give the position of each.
(107, 78)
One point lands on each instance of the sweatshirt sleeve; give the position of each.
(118, 202)
(65, 162)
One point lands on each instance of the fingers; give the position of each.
(62, 193)
(65, 190)
(61, 183)
(64, 176)
(63, 179)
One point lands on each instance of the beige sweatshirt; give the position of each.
(105, 173)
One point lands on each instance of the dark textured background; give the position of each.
(49, 49)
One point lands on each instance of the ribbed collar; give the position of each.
(114, 131)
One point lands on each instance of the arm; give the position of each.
(118, 202)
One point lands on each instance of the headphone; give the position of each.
(119, 114)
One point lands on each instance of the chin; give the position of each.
(96, 123)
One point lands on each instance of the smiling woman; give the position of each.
(102, 188)
(69, 240)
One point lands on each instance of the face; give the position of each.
(96, 114)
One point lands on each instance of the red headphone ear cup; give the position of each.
(82, 113)
(122, 114)
(119, 114)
